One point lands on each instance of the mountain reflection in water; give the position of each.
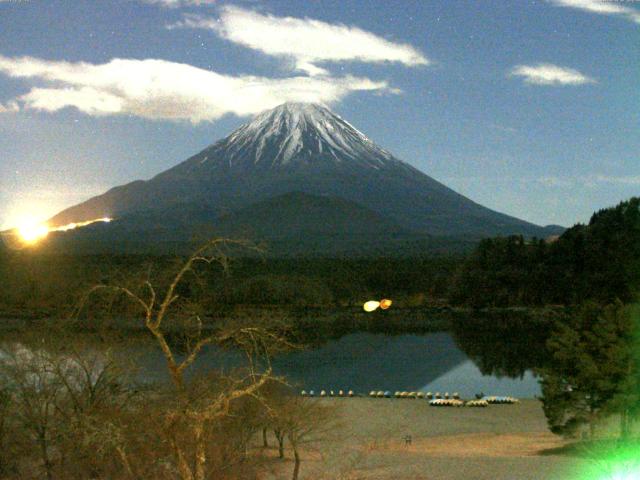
(367, 361)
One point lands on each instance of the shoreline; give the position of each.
(348, 319)
(501, 442)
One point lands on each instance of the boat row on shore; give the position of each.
(435, 399)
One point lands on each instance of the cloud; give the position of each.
(159, 89)
(602, 7)
(86, 99)
(549, 74)
(503, 128)
(592, 180)
(556, 182)
(12, 106)
(179, 3)
(305, 41)
(621, 180)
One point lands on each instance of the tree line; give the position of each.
(50, 285)
(599, 261)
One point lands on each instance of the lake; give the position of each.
(368, 361)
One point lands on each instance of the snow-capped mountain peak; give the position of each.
(304, 149)
(297, 133)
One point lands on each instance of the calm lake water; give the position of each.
(367, 361)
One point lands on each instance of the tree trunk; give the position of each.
(280, 437)
(44, 450)
(592, 423)
(125, 461)
(201, 455)
(624, 424)
(184, 470)
(265, 444)
(296, 465)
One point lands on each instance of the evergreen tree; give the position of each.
(599, 261)
(592, 371)
(626, 401)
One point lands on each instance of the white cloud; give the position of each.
(86, 99)
(305, 41)
(555, 182)
(503, 128)
(602, 7)
(592, 180)
(160, 89)
(12, 106)
(179, 3)
(549, 74)
(621, 180)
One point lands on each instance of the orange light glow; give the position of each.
(71, 226)
(31, 232)
(385, 303)
(373, 305)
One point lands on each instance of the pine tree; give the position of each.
(626, 401)
(592, 372)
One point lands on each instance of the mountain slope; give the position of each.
(293, 224)
(303, 148)
(316, 225)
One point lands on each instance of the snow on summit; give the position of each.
(298, 133)
(302, 148)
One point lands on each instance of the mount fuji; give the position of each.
(296, 173)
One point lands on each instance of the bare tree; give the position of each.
(6, 401)
(301, 421)
(54, 390)
(276, 397)
(35, 391)
(189, 421)
(309, 422)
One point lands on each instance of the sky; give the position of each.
(531, 108)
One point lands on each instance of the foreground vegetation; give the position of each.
(72, 411)
(81, 409)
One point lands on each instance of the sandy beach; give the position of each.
(509, 442)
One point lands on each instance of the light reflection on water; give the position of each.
(467, 380)
(360, 362)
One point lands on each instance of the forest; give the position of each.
(599, 261)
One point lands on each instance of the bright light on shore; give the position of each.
(71, 226)
(371, 305)
(624, 474)
(31, 231)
